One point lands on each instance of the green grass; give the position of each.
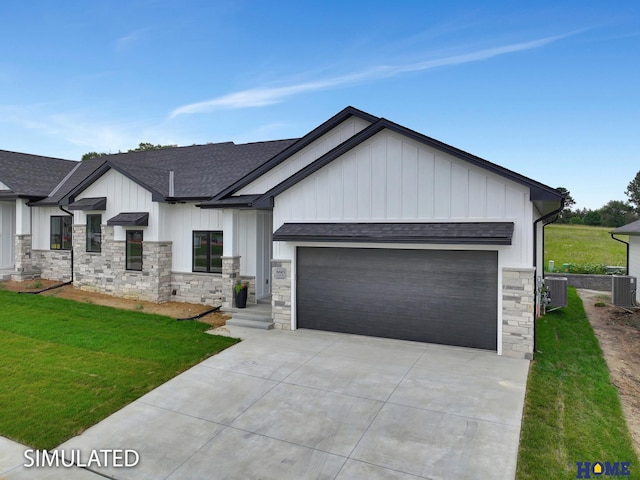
(65, 366)
(572, 410)
(581, 244)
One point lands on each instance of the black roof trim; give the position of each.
(240, 201)
(97, 203)
(136, 219)
(309, 138)
(8, 195)
(449, 233)
(538, 191)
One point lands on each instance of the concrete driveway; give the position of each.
(307, 405)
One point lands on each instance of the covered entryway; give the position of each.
(7, 234)
(437, 296)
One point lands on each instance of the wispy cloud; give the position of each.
(127, 41)
(258, 97)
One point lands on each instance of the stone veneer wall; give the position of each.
(196, 287)
(230, 276)
(281, 294)
(24, 269)
(518, 295)
(52, 264)
(106, 272)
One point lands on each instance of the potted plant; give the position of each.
(241, 291)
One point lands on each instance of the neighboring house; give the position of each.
(633, 249)
(360, 226)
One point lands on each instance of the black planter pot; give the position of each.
(241, 298)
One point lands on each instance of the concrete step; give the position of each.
(4, 275)
(255, 316)
(251, 321)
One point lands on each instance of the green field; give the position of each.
(572, 410)
(582, 245)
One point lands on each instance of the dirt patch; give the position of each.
(618, 332)
(169, 309)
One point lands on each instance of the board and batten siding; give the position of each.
(7, 233)
(123, 195)
(179, 221)
(634, 259)
(41, 225)
(391, 178)
(304, 157)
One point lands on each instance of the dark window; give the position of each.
(61, 230)
(134, 250)
(94, 233)
(207, 252)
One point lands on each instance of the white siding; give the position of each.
(634, 259)
(42, 226)
(178, 223)
(304, 157)
(4, 187)
(390, 178)
(7, 233)
(123, 195)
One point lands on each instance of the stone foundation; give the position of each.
(24, 268)
(196, 288)
(105, 272)
(518, 292)
(281, 294)
(52, 264)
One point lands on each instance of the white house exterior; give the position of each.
(633, 249)
(360, 226)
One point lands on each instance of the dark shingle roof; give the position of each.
(32, 176)
(470, 233)
(632, 228)
(200, 171)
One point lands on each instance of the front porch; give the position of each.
(255, 315)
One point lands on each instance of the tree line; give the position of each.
(614, 213)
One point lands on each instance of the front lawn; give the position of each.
(572, 411)
(64, 365)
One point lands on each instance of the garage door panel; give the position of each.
(447, 297)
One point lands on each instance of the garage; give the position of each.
(436, 296)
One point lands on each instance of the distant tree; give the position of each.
(633, 192)
(142, 146)
(566, 214)
(616, 213)
(592, 217)
(89, 155)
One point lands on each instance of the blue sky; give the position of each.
(548, 89)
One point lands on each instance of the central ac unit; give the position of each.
(556, 291)
(623, 290)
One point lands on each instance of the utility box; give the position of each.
(623, 290)
(557, 288)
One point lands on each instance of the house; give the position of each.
(23, 178)
(633, 248)
(361, 226)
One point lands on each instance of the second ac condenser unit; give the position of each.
(623, 290)
(556, 291)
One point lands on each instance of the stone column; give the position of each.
(24, 265)
(518, 292)
(156, 271)
(281, 294)
(230, 276)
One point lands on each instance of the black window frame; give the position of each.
(93, 235)
(59, 225)
(128, 257)
(210, 268)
